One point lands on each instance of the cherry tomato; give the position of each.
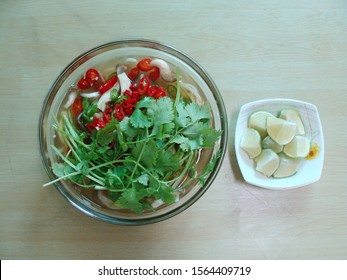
(108, 85)
(119, 113)
(144, 65)
(77, 107)
(154, 75)
(133, 73)
(143, 85)
(83, 84)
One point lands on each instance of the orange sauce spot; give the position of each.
(314, 151)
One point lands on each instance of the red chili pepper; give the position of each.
(93, 78)
(97, 124)
(118, 111)
(151, 91)
(160, 92)
(128, 111)
(83, 84)
(129, 103)
(143, 85)
(77, 107)
(107, 114)
(132, 94)
(133, 86)
(134, 73)
(154, 75)
(144, 65)
(108, 85)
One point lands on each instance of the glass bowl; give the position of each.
(56, 97)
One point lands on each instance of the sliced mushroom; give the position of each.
(121, 68)
(106, 97)
(164, 68)
(124, 82)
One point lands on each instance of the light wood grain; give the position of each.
(253, 50)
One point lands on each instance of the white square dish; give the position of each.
(309, 170)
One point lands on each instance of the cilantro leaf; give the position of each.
(183, 142)
(139, 120)
(107, 134)
(210, 136)
(58, 169)
(143, 179)
(181, 119)
(167, 162)
(127, 128)
(196, 112)
(166, 194)
(146, 152)
(130, 200)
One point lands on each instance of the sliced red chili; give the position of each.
(144, 65)
(107, 114)
(151, 91)
(134, 73)
(77, 106)
(108, 85)
(128, 111)
(96, 124)
(154, 75)
(94, 78)
(143, 85)
(160, 92)
(133, 86)
(129, 103)
(83, 84)
(119, 112)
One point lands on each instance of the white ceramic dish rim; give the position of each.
(313, 128)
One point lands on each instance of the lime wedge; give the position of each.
(267, 162)
(281, 131)
(293, 116)
(299, 147)
(258, 121)
(287, 167)
(268, 143)
(250, 142)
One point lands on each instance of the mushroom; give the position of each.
(164, 68)
(106, 97)
(124, 82)
(120, 68)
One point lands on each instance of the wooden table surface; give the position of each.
(253, 50)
